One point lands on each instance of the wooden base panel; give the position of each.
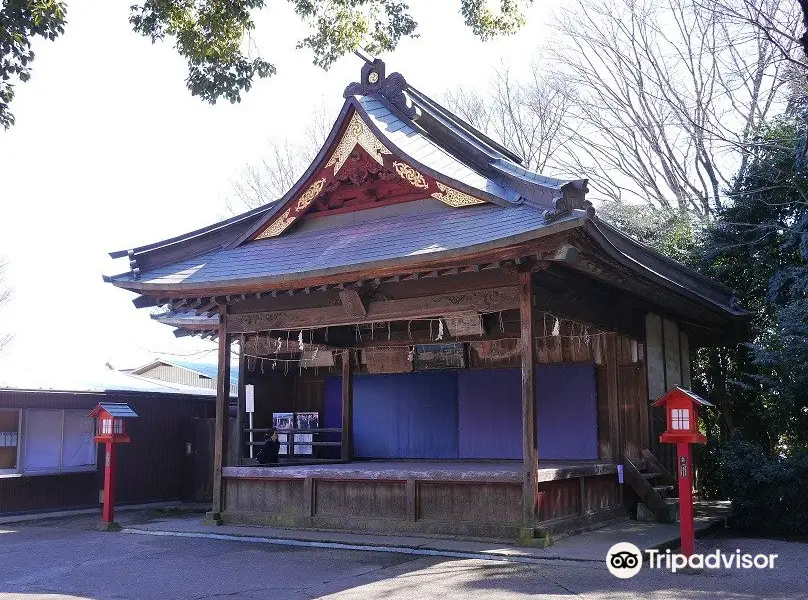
(465, 509)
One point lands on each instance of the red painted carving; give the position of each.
(363, 183)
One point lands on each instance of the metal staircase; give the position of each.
(655, 487)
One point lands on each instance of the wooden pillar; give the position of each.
(222, 406)
(347, 406)
(613, 400)
(530, 485)
(241, 417)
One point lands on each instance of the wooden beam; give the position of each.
(492, 300)
(353, 303)
(530, 485)
(391, 290)
(207, 306)
(347, 406)
(220, 429)
(145, 302)
(179, 305)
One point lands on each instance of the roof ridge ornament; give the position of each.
(375, 82)
(573, 197)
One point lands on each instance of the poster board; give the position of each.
(283, 421)
(301, 420)
(306, 420)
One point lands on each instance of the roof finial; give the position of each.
(375, 82)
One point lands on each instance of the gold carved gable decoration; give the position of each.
(359, 133)
(454, 197)
(288, 216)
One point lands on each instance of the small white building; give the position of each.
(187, 373)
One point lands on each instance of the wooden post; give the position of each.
(612, 399)
(308, 497)
(685, 476)
(347, 406)
(240, 410)
(530, 486)
(222, 405)
(108, 512)
(411, 499)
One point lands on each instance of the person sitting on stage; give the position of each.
(269, 451)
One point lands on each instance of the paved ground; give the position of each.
(592, 545)
(66, 559)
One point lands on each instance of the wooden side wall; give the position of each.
(153, 467)
(668, 366)
(620, 377)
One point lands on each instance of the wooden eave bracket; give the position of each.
(354, 304)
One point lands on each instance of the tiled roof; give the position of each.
(349, 246)
(118, 409)
(422, 149)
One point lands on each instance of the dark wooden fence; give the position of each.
(155, 466)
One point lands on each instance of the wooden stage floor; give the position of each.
(509, 471)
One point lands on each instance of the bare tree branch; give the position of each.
(526, 116)
(270, 178)
(5, 297)
(669, 95)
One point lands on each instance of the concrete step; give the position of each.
(671, 514)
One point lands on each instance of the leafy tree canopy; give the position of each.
(759, 247)
(212, 34)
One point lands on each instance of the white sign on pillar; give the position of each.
(249, 398)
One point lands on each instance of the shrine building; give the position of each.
(448, 342)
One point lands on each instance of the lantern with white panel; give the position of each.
(682, 416)
(111, 430)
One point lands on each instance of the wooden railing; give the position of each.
(290, 443)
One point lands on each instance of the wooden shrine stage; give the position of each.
(477, 499)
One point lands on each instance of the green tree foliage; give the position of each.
(768, 492)
(759, 247)
(20, 21)
(669, 231)
(213, 35)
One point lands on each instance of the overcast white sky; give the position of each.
(111, 151)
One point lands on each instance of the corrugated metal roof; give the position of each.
(350, 246)
(206, 369)
(90, 380)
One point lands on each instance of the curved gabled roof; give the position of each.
(500, 204)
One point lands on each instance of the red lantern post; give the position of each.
(681, 408)
(110, 430)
